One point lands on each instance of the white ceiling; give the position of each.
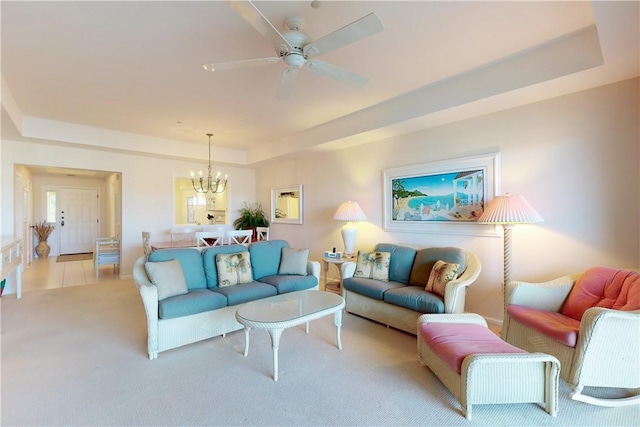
(136, 67)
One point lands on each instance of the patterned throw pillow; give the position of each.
(168, 278)
(233, 269)
(373, 265)
(441, 274)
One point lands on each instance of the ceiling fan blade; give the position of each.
(337, 73)
(257, 20)
(357, 30)
(286, 83)
(218, 66)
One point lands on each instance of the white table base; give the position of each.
(275, 330)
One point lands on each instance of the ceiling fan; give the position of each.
(296, 50)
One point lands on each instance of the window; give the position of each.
(51, 206)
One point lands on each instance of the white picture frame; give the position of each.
(441, 197)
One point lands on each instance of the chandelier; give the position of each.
(212, 185)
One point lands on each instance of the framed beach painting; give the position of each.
(441, 197)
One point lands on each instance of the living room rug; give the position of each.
(75, 257)
(77, 357)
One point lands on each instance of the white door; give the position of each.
(78, 220)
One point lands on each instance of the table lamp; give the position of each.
(349, 211)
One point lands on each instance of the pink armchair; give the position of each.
(589, 321)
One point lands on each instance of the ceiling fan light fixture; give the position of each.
(295, 61)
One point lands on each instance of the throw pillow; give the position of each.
(168, 278)
(294, 261)
(373, 265)
(233, 269)
(441, 274)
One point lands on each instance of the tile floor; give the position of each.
(49, 274)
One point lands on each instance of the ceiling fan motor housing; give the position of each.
(295, 58)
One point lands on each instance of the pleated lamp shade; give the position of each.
(349, 211)
(509, 209)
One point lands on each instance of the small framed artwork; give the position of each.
(441, 197)
(287, 205)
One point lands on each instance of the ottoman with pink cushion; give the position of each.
(478, 367)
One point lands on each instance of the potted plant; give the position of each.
(43, 230)
(252, 215)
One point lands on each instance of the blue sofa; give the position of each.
(401, 300)
(207, 310)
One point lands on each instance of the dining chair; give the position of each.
(262, 234)
(146, 244)
(107, 251)
(239, 237)
(209, 238)
(183, 234)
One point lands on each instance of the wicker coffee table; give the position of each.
(275, 314)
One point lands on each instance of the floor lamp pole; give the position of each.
(507, 260)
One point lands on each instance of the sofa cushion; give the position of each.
(209, 261)
(168, 278)
(414, 298)
(400, 261)
(603, 287)
(441, 274)
(245, 292)
(426, 258)
(560, 328)
(373, 265)
(452, 342)
(289, 283)
(369, 287)
(190, 261)
(266, 256)
(294, 261)
(193, 302)
(234, 269)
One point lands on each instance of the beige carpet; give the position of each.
(75, 257)
(77, 357)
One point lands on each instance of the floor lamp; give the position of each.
(349, 211)
(508, 210)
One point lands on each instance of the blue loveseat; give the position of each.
(207, 309)
(402, 299)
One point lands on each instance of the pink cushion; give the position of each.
(603, 287)
(556, 326)
(452, 342)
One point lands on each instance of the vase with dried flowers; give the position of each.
(43, 230)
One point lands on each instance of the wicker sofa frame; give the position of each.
(167, 334)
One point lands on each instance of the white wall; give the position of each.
(147, 183)
(575, 159)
